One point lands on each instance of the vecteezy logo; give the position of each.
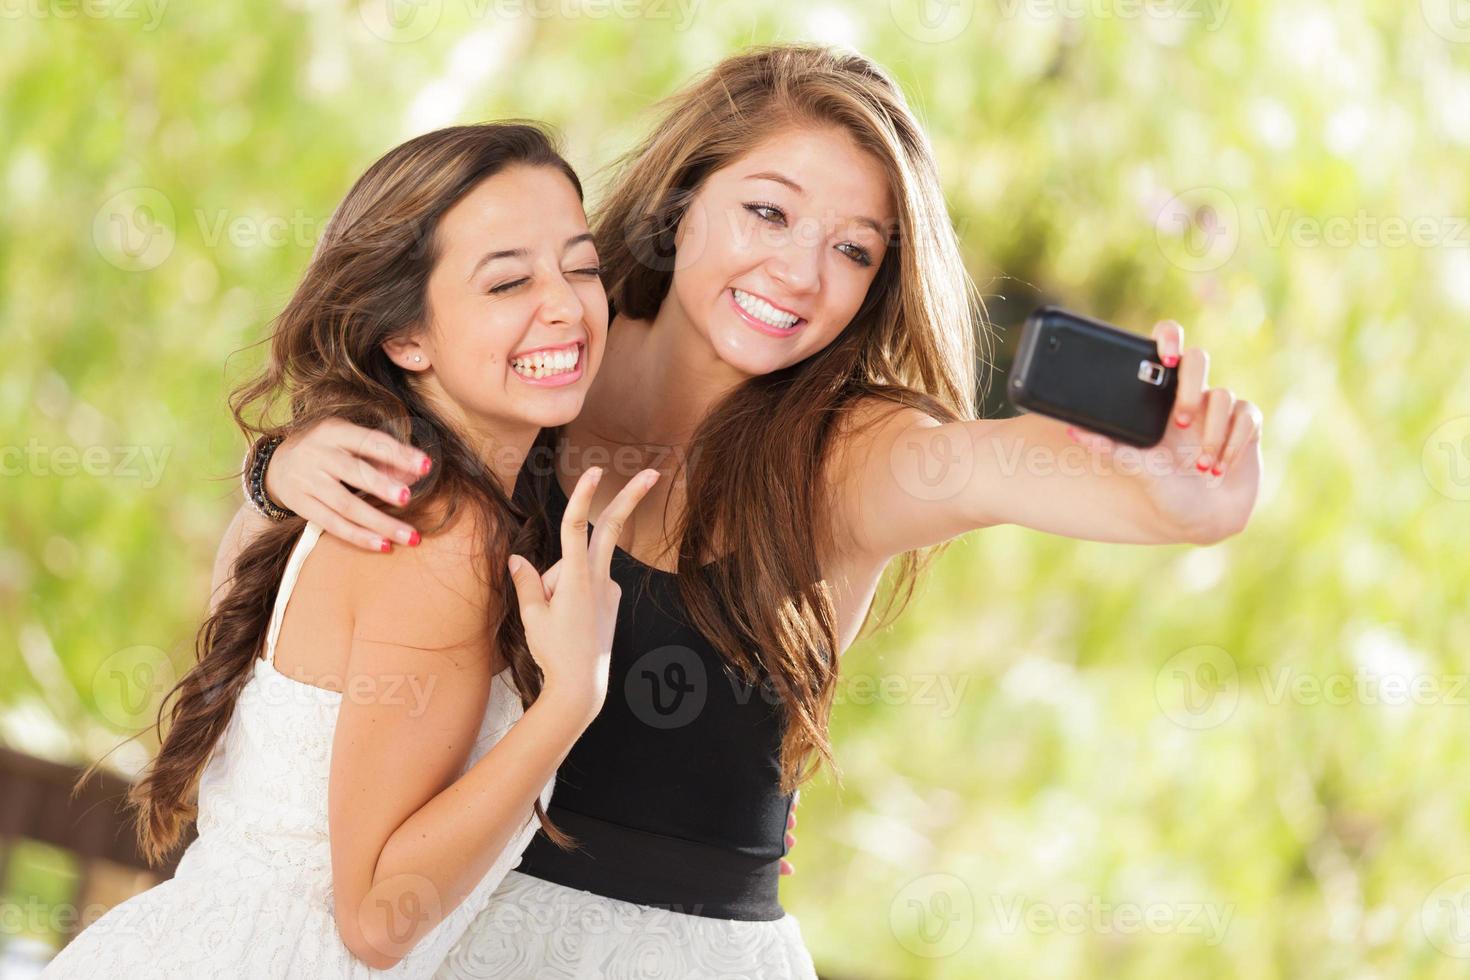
(677, 687)
(932, 21)
(667, 687)
(403, 904)
(1455, 456)
(1446, 458)
(1198, 687)
(134, 229)
(130, 684)
(1198, 229)
(932, 464)
(933, 915)
(1445, 916)
(1450, 19)
(943, 455)
(401, 21)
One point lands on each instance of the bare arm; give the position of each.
(315, 471)
(410, 840)
(906, 481)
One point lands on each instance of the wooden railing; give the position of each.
(95, 828)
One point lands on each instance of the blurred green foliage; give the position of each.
(1129, 774)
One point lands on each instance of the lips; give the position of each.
(553, 365)
(763, 315)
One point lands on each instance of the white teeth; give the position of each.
(763, 311)
(544, 364)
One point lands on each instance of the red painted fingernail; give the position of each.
(1182, 421)
(413, 539)
(1216, 471)
(403, 496)
(383, 545)
(425, 465)
(1199, 464)
(1171, 360)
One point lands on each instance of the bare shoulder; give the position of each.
(865, 436)
(439, 595)
(873, 421)
(859, 467)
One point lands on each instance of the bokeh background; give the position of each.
(1067, 759)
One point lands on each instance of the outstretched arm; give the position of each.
(906, 481)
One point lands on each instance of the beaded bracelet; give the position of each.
(257, 458)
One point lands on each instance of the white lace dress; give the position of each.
(536, 928)
(252, 897)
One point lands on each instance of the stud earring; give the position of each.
(417, 359)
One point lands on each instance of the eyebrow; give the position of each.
(519, 253)
(788, 182)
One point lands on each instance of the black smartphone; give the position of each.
(1094, 375)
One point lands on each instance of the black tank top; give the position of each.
(674, 789)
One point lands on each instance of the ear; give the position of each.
(408, 353)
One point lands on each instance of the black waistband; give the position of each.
(650, 869)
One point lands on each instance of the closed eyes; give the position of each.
(594, 272)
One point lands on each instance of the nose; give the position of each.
(797, 266)
(560, 304)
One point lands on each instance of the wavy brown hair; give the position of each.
(757, 463)
(366, 284)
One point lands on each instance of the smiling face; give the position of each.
(518, 316)
(777, 250)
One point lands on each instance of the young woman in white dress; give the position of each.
(372, 757)
(796, 347)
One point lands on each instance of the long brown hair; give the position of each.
(366, 284)
(757, 462)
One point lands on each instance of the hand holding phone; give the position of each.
(1116, 386)
(1092, 374)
